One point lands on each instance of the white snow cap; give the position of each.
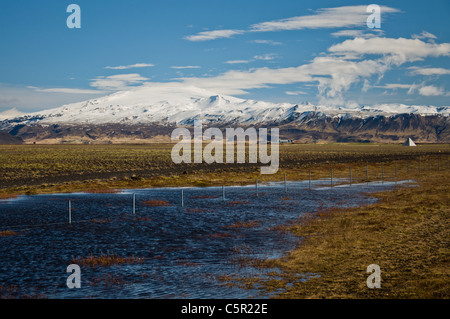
(181, 104)
(10, 114)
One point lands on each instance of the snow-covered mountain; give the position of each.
(11, 114)
(149, 113)
(183, 104)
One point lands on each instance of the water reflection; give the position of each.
(185, 249)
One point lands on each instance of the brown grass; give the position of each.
(47, 169)
(102, 191)
(7, 196)
(406, 233)
(108, 281)
(100, 221)
(156, 203)
(220, 235)
(7, 233)
(238, 202)
(204, 197)
(143, 219)
(15, 292)
(187, 263)
(106, 260)
(249, 224)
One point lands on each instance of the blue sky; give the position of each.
(281, 51)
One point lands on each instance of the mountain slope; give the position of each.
(148, 111)
(10, 114)
(6, 138)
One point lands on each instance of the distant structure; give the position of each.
(283, 141)
(409, 142)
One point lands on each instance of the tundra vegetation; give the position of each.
(36, 169)
(406, 232)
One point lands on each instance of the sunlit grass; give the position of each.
(244, 224)
(406, 233)
(7, 233)
(106, 260)
(16, 292)
(43, 169)
(108, 281)
(156, 203)
(7, 196)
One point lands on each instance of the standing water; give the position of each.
(183, 251)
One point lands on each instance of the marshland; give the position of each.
(293, 240)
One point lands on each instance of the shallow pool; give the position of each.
(185, 250)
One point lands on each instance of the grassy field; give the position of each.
(406, 232)
(32, 169)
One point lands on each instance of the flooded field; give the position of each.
(182, 251)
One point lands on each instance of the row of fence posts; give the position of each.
(309, 182)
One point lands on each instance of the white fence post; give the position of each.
(309, 178)
(350, 176)
(70, 213)
(367, 173)
(182, 198)
(331, 177)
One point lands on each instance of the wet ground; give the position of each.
(185, 250)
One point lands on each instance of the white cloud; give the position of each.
(235, 82)
(431, 90)
(399, 50)
(347, 16)
(186, 67)
(429, 71)
(422, 89)
(265, 57)
(126, 67)
(334, 73)
(424, 35)
(212, 35)
(366, 86)
(237, 61)
(66, 90)
(117, 82)
(30, 99)
(295, 92)
(394, 86)
(414, 87)
(271, 42)
(357, 33)
(339, 17)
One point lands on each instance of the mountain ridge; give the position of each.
(164, 106)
